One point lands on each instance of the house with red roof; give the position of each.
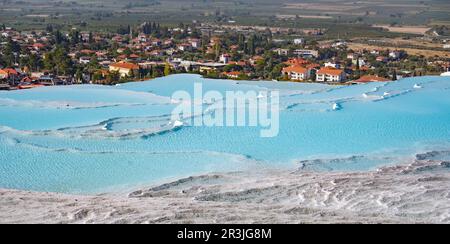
(296, 72)
(239, 63)
(297, 61)
(369, 78)
(3, 74)
(299, 69)
(38, 46)
(329, 74)
(255, 59)
(232, 74)
(123, 68)
(122, 57)
(87, 52)
(134, 57)
(11, 72)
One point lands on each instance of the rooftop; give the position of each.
(295, 68)
(330, 71)
(371, 78)
(124, 65)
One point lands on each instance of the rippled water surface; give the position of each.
(87, 139)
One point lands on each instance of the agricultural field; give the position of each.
(410, 17)
(426, 52)
(418, 30)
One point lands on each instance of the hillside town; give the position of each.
(56, 57)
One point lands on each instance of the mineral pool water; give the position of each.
(92, 139)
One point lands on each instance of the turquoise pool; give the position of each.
(91, 139)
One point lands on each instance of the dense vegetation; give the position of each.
(63, 22)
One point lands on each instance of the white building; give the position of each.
(339, 44)
(225, 58)
(332, 65)
(123, 68)
(306, 53)
(299, 41)
(361, 61)
(196, 43)
(352, 56)
(330, 75)
(281, 51)
(84, 60)
(394, 54)
(297, 73)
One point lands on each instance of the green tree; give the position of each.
(131, 74)
(112, 78)
(167, 69)
(276, 71)
(58, 61)
(93, 66)
(79, 76)
(250, 50)
(34, 62)
(91, 38)
(97, 76)
(63, 63)
(74, 36)
(232, 67)
(49, 61)
(58, 37)
(49, 28)
(10, 52)
(217, 51)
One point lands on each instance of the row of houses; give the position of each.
(302, 70)
(327, 75)
(297, 70)
(128, 54)
(18, 79)
(324, 74)
(125, 69)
